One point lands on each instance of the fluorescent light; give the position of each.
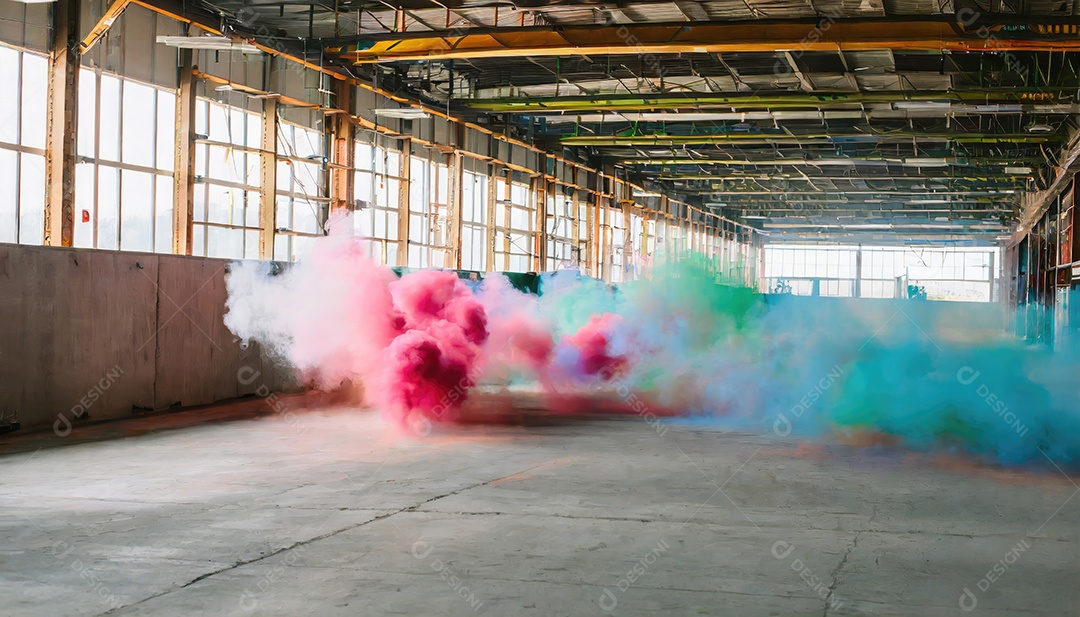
(1040, 128)
(216, 43)
(797, 115)
(1019, 171)
(223, 88)
(926, 162)
(993, 109)
(921, 105)
(402, 113)
(843, 115)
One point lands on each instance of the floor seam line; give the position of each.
(312, 540)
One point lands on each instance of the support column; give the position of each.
(184, 164)
(858, 272)
(268, 179)
(456, 178)
(406, 199)
(489, 235)
(540, 185)
(508, 216)
(342, 191)
(62, 125)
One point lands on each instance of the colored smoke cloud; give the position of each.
(924, 375)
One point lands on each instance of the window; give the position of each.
(429, 198)
(227, 181)
(514, 225)
(301, 208)
(562, 249)
(23, 104)
(944, 272)
(378, 187)
(123, 178)
(618, 245)
(474, 211)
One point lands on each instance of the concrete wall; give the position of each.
(115, 333)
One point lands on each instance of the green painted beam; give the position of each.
(757, 138)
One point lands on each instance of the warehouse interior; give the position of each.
(899, 170)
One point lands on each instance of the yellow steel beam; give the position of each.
(102, 26)
(639, 39)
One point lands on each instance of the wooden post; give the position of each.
(63, 118)
(184, 164)
(268, 179)
(457, 177)
(489, 236)
(406, 200)
(343, 156)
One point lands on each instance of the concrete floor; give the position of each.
(328, 513)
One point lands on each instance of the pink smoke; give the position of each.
(432, 364)
(414, 344)
(593, 341)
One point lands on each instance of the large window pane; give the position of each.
(166, 130)
(9, 183)
(139, 116)
(32, 199)
(109, 139)
(35, 92)
(108, 208)
(163, 228)
(87, 137)
(137, 214)
(10, 67)
(85, 213)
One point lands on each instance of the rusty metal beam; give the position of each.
(175, 9)
(102, 26)
(268, 179)
(1037, 204)
(406, 199)
(342, 136)
(281, 99)
(62, 120)
(184, 168)
(457, 169)
(713, 37)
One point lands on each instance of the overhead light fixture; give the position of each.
(403, 113)
(797, 115)
(921, 105)
(35, 1)
(213, 43)
(926, 162)
(1018, 171)
(995, 109)
(1040, 128)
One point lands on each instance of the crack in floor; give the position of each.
(835, 576)
(412, 508)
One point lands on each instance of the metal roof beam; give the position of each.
(935, 34)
